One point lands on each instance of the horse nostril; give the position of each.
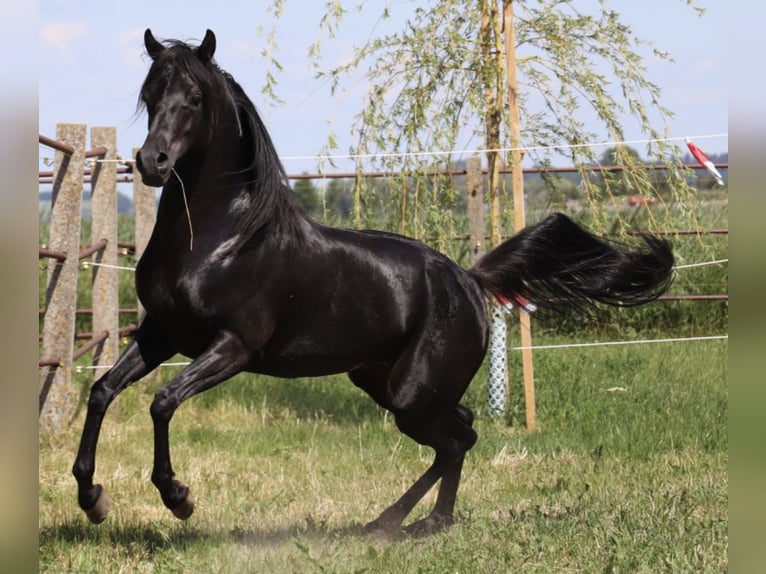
(162, 158)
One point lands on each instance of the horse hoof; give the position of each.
(382, 530)
(428, 526)
(97, 513)
(185, 509)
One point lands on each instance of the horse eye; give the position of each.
(196, 100)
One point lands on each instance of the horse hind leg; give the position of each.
(374, 380)
(422, 389)
(451, 436)
(463, 437)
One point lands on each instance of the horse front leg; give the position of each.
(142, 356)
(224, 358)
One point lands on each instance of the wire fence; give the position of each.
(76, 166)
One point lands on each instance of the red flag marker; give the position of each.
(704, 161)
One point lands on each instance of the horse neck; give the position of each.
(212, 177)
(201, 189)
(218, 183)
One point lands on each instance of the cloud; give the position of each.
(61, 35)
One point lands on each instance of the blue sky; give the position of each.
(92, 64)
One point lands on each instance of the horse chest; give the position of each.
(172, 291)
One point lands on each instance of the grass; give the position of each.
(627, 473)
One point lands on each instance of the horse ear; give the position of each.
(153, 47)
(207, 47)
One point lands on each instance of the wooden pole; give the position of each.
(475, 200)
(57, 395)
(492, 62)
(145, 206)
(517, 178)
(105, 280)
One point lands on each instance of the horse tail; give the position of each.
(557, 264)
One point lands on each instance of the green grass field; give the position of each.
(627, 473)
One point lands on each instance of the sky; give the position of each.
(92, 63)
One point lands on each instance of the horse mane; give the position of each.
(272, 201)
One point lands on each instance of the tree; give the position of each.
(617, 183)
(339, 198)
(430, 83)
(307, 196)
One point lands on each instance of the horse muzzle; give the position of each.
(155, 167)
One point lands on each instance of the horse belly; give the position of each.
(328, 352)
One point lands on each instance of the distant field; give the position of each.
(628, 473)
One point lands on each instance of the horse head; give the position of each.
(178, 94)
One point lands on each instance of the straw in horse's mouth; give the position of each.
(186, 205)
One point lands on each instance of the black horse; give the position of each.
(265, 289)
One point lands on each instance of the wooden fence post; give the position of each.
(105, 280)
(519, 207)
(475, 188)
(57, 397)
(145, 205)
